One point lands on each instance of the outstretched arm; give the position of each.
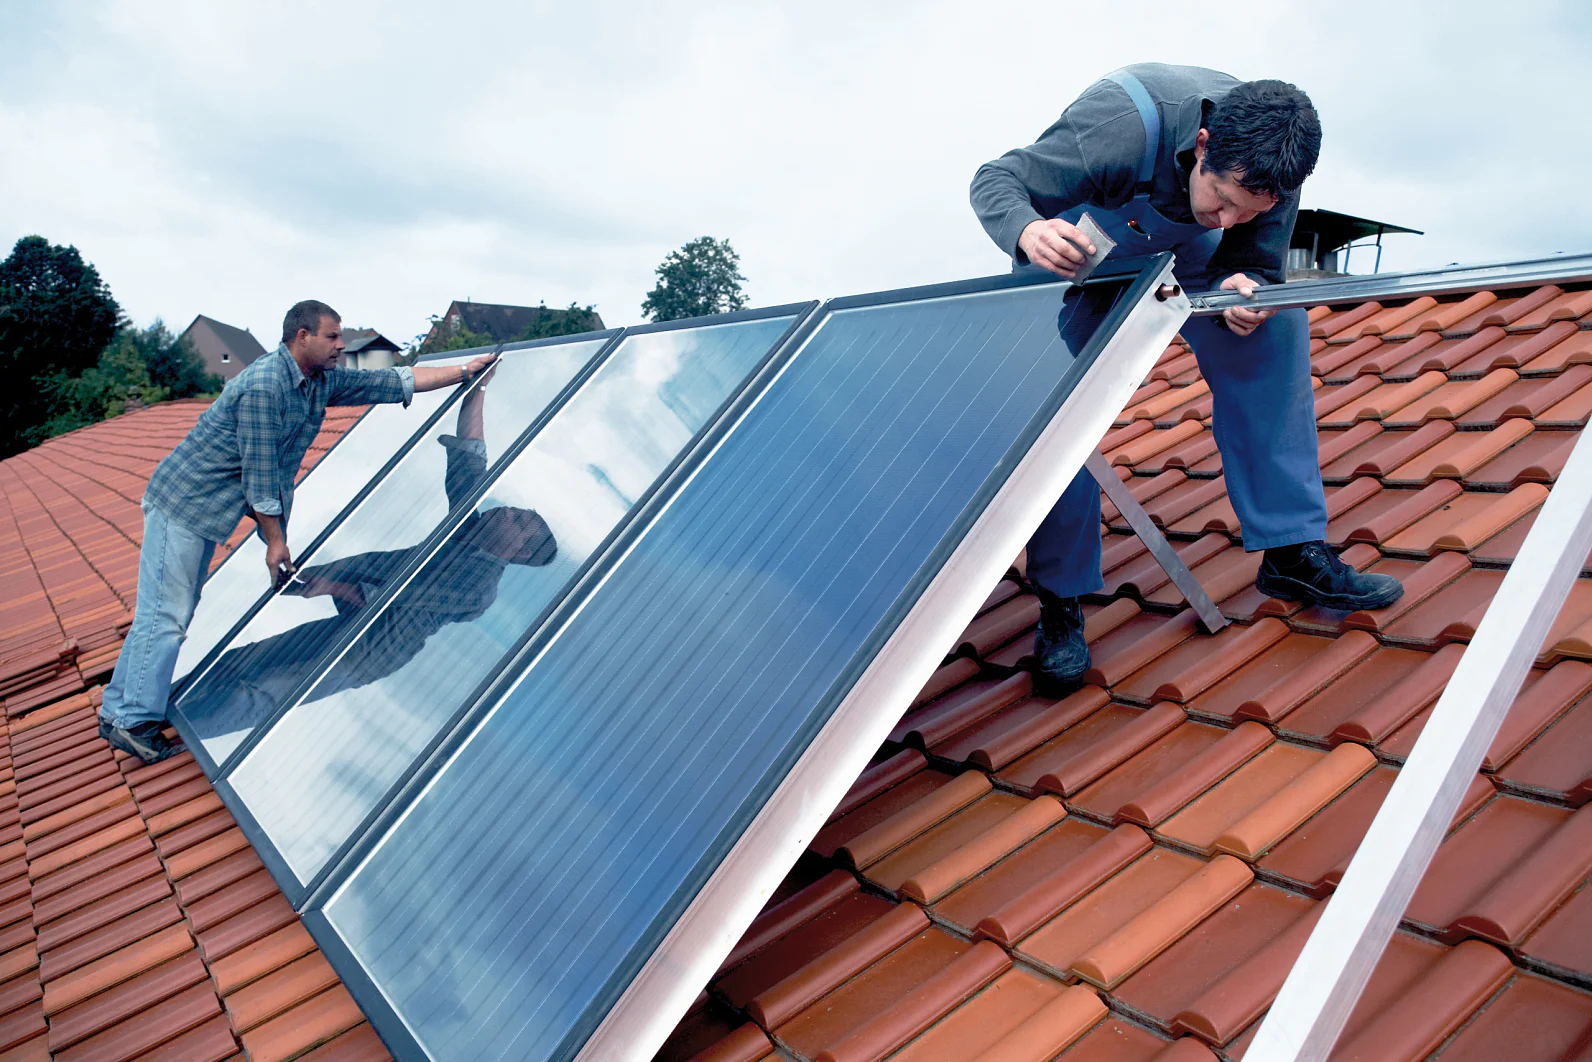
(430, 377)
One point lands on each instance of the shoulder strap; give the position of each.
(1148, 114)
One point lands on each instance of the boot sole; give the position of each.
(1294, 590)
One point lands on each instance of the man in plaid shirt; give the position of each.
(239, 459)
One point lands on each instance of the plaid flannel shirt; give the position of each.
(244, 452)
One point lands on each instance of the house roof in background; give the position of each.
(356, 340)
(501, 321)
(239, 342)
(1125, 874)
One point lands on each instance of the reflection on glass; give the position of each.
(335, 479)
(282, 645)
(327, 762)
(500, 913)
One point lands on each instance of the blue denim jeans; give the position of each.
(172, 564)
(1265, 425)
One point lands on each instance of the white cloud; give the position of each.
(230, 159)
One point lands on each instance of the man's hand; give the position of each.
(279, 562)
(477, 366)
(1240, 320)
(1054, 244)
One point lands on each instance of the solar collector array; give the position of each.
(599, 790)
(491, 822)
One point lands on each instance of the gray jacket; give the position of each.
(1091, 155)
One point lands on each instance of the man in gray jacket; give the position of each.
(1195, 162)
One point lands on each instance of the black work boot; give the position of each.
(143, 740)
(1312, 573)
(1061, 655)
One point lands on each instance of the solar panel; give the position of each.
(566, 872)
(325, 766)
(279, 647)
(360, 456)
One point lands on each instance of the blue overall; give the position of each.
(1263, 406)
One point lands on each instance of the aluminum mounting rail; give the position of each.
(1560, 268)
(1320, 992)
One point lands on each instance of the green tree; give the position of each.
(700, 278)
(572, 320)
(56, 317)
(99, 391)
(149, 363)
(172, 361)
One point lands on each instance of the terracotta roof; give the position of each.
(137, 922)
(1123, 874)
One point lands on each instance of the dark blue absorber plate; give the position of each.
(283, 644)
(328, 763)
(512, 901)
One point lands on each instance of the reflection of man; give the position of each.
(241, 457)
(1193, 161)
(457, 585)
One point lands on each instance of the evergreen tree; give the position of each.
(56, 317)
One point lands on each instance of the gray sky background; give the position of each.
(230, 159)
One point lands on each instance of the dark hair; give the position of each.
(306, 315)
(1267, 134)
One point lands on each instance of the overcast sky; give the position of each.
(230, 159)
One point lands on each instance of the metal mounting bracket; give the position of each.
(1155, 542)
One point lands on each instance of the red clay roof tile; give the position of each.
(1538, 458)
(308, 1024)
(1558, 764)
(62, 955)
(849, 1000)
(96, 976)
(1221, 976)
(1019, 1016)
(1111, 961)
(1472, 878)
(842, 918)
(1079, 755)
(842, 828)
(883, 838)
(997, 739)
(1160, 779)
(1531, 1017)
(127, 999)
(929, 846)
(1039, 881)
(926, 1004)
(1563, 942)
(1059, 944)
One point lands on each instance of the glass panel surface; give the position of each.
(327, 762)
(519, 893)
(281, 646)
(317, 500)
